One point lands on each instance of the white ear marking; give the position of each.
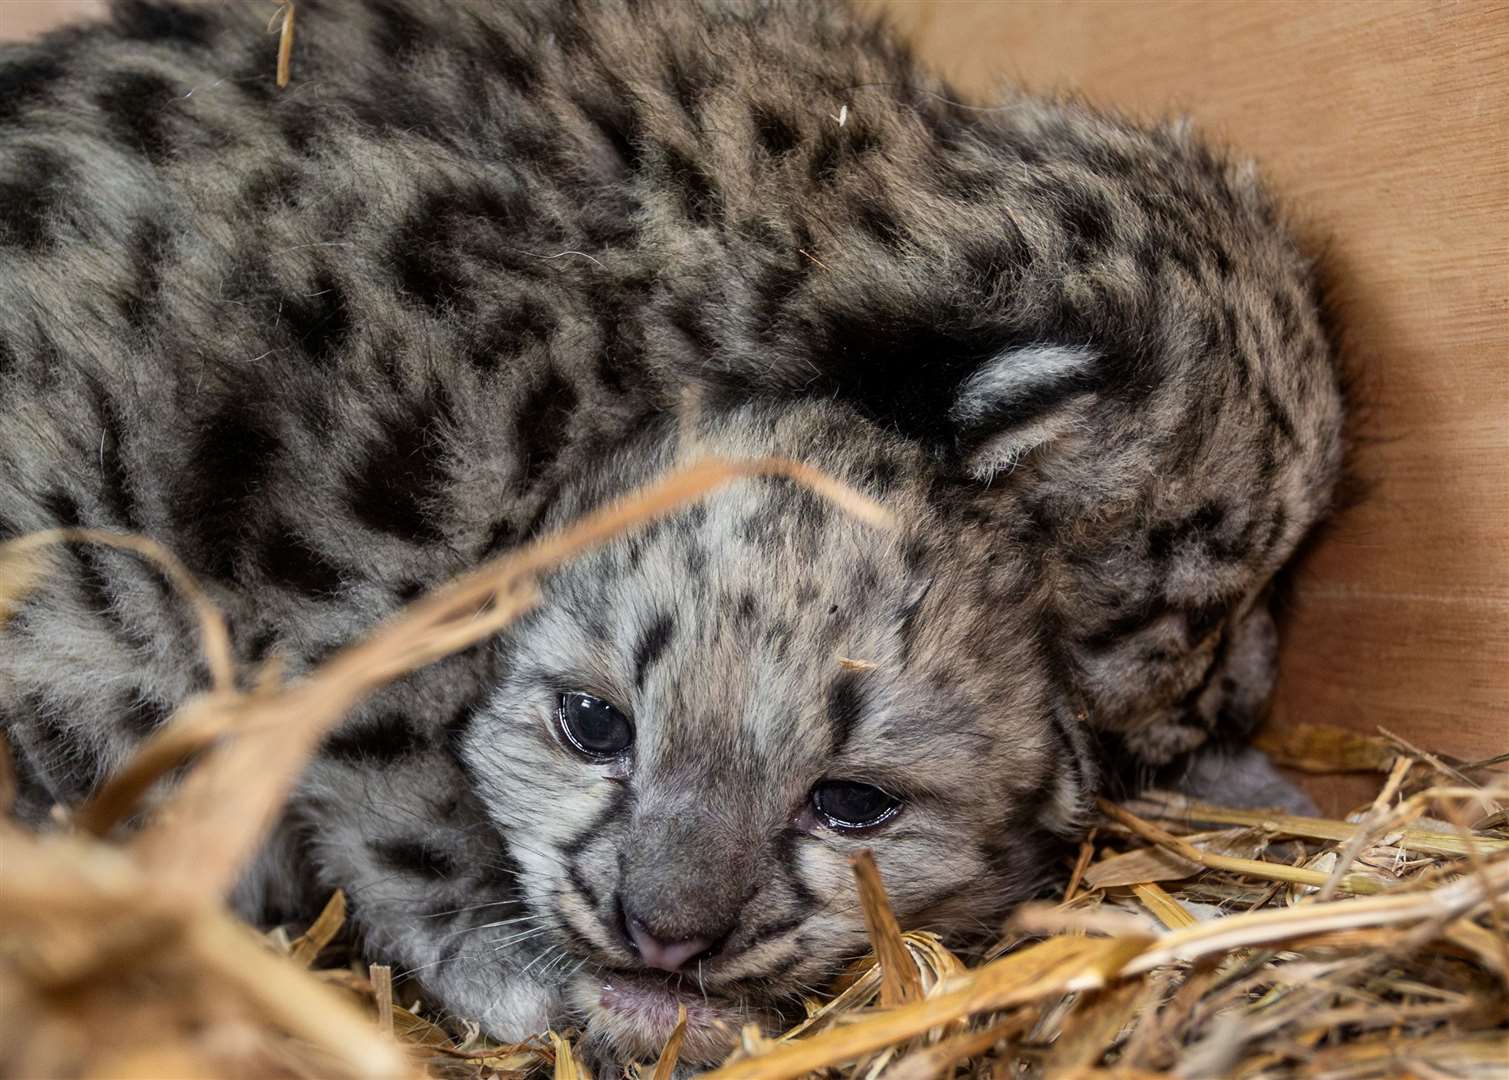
(1016, 374)
(1021, 399)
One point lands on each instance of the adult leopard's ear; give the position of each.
(1020, 400)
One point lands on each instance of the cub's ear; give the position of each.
(1022, 399)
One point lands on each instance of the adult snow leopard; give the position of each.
(336, 343)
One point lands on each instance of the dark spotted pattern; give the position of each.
(163, 23)
(403, 473)
(136, 106)
(408, 856)
(385, 739)
(31, 181)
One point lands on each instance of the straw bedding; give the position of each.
(1189, 940)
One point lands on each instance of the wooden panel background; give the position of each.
(21, 18)
(1385, 126)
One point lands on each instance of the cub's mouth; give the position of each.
(631, 1014)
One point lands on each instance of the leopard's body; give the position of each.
(336, 343)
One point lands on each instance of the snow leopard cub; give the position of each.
(336, 343)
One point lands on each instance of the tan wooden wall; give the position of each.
(22, 18)
(1385, 126)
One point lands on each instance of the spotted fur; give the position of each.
(335, 344)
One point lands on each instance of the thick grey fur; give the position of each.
(336, 343)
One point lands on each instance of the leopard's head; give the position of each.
(703, 721)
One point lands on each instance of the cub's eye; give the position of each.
(843, 804)
(595, 728)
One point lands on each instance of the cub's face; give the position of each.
(703, 722)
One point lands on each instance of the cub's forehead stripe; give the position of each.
(845, 707)
(652, 645)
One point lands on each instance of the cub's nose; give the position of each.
(665, 955)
